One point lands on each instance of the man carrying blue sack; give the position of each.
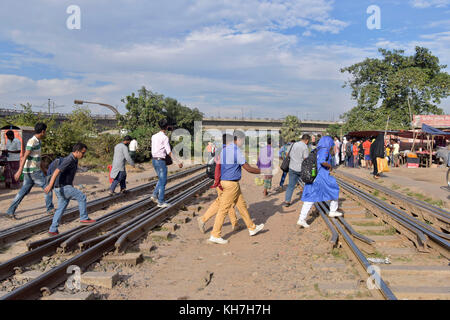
(324, 187)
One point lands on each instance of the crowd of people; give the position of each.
(229, 160)
(59, 174)
(228, 172)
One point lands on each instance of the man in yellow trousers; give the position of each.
(214, 208)
(232, 160)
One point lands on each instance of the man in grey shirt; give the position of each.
(121, 157)
(298, 153)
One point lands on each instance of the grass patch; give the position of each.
(316, 287)
(376, 193)
(403, 259)
(326, 235)
(338, 253)
(395, 187)
(369, 224)
(369, 215)
(388, 232)
(406, 190)
(377, 254)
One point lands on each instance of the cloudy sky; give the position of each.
(259, 58)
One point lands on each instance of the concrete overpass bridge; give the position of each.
(307, 126)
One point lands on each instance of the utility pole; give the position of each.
(49, 106)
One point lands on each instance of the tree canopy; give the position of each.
(291, 129)
(395, 87)
(145, 111)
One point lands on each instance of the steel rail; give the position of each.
(50, 245)
(57, 275)
(23, 231)
(421, 238)
(435, 211)
(351, 230)
(383, 287)
(75, 209)
(148, 223)
(405, 220)
(104, 224)
(334, 234)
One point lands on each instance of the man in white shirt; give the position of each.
(161, 149)
(13, 149)
(133, 148)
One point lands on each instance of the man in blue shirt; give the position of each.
(62, 179)
(232, 161)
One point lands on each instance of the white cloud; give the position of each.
(215, 55)
(430, 3)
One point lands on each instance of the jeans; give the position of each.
(64, 195)
(29, 180)
(161, 171)
(283, 177)
(294, 177)
(122, 179)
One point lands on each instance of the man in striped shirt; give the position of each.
(30, 165)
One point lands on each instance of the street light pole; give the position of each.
(110, 107)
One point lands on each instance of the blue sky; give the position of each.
(264, 58)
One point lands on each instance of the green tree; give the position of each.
(291, 129)
(80, 127)
(334, 130)
(145, 111)
(395, 87)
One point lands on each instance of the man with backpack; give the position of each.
(324, 187)
(298, 153)
(62, 179)
(283, 154)
(349, 153)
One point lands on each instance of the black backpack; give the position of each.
(309, 168)
(349, 149)
(211, 168)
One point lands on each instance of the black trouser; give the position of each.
(375, 167)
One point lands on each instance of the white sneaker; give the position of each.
(217, 240)
(335, 214)
(257, 229)
(164, 205)
(303, 224)
(154, 199)
(201, 225)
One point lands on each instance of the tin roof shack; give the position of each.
(22, 133)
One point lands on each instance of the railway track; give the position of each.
(417, 251)
(25, 230)
(432, 215)
(113, 232)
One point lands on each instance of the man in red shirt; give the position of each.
(366, 147)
